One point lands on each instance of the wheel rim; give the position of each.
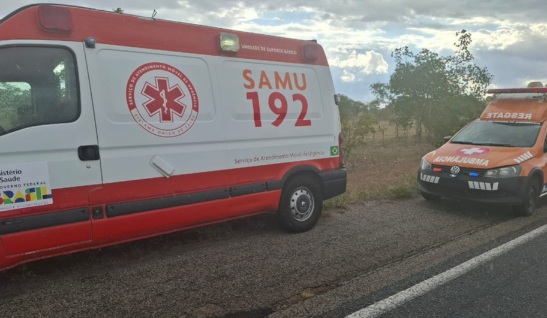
(302, 204)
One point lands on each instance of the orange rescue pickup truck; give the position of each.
(499, 158)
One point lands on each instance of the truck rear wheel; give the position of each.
(301, 204)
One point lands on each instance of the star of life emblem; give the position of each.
(162, 99)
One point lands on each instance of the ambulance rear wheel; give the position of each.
(301, 204)
(531, 198)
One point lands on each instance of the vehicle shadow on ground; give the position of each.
(477, 210)
(175, 243)
(142, 249)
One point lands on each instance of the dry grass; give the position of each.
(385, 168)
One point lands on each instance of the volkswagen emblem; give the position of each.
(455, 170)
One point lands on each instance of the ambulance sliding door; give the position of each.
(48, 158)
(160, 137)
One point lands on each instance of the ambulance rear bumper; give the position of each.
(334, 183)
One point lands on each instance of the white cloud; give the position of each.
(359, 35)
(369, 62)
(348, 76)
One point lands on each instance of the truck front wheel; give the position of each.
(531, 198)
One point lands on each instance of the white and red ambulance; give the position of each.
(499, 158)
(116, 127)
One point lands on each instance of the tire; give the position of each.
(301, 204)
(430, 197)
(532, 196)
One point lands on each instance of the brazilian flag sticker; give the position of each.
(334, 151)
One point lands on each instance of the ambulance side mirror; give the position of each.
(447, 138)
(337, 99)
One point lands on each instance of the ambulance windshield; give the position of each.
(504, 134)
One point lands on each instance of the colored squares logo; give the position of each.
(334, 151)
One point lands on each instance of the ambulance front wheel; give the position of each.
(531, 198)
(301, 204)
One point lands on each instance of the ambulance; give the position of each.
(116, 127)
(499, 158)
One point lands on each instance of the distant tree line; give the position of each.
(436, 95)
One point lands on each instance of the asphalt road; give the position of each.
(251, 268)
(507, 281)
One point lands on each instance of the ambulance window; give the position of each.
(15, 99)
(38, 86)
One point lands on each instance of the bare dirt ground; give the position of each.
(251, 268)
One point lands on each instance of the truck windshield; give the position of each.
(502, 134)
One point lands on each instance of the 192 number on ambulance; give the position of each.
(279, 106)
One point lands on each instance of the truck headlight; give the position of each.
(425, 165)
(505, 172)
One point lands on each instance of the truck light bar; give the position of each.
(517, 90)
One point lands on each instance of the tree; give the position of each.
(357, 122)
(14, 99)
(396, 110)
(434, 92)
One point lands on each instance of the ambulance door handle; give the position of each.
(87, 153)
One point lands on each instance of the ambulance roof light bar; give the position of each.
(229, 42)
(311, 51)
(517, 90)
(535, 84)
(533, 87)
(55, 19)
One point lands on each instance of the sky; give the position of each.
(509, 37)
